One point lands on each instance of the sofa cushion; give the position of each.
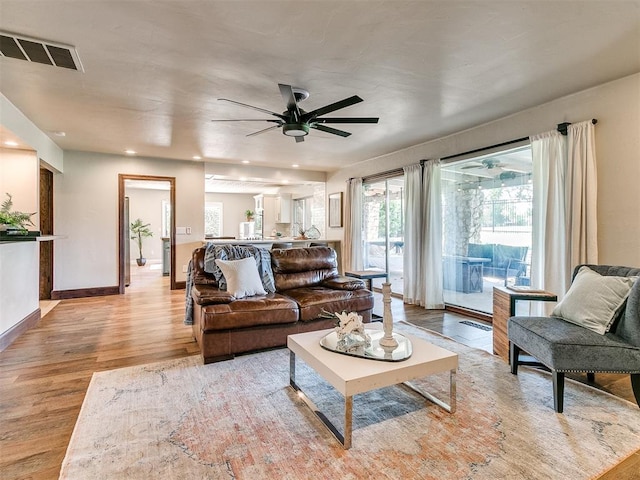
(242, 277)
(312, 301)
(593, 300)
(561, 345)
(270, 309)
(302, 267)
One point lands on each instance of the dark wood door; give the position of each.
(46, 228)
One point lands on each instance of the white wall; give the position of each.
(233, 207)
(146, 204)
(86, 212)
(616, 105)
(14, 120)
(20, 177)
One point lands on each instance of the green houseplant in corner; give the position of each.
(139, 231)
(14, 223)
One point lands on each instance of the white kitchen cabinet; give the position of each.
(272, 210)
(283, 208)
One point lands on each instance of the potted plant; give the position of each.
(14, 223)
(249, 214)
(139, 231)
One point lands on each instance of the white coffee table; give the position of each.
(352, 375)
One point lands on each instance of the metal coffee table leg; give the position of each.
(345, 439)
(449, 407)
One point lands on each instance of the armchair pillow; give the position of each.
(242, 277)
(593, 300)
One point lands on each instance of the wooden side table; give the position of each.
(366, 275)
(504, 306)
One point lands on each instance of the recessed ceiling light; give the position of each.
(285, 181)
(11, 143)
(197, 157)
(60, 134)
(130, 152)
(243, 179)
(295, 165)
(246, 161)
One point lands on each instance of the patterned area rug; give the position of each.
(239, 419)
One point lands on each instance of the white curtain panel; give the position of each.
(412, 272)
(422, 260)
(582, 193)
(432, 234)
(550, 267)
(352, 250)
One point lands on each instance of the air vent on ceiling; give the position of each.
(39, 51)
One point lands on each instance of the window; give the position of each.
(302, 211)
(309, 211)
(383, 229)
(487, 231)
(166, 219)
(213, 219)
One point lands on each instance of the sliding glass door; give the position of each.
(383, 229)
(487, 215)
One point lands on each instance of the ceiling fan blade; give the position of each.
(262, 131)
(331, 108)
(252, 107)
(477, 174)
(335, 131)
(299, 139)
(346, 120)
(289, 97)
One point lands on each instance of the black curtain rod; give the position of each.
(562, 127)
(477, 150)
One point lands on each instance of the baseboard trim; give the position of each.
(181, 285)
(84, 292)
(10, 336)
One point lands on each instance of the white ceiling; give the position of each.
(155, 69)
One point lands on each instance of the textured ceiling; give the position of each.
(153, 70)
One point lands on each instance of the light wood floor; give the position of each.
(44, 375)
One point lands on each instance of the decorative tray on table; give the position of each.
(355, 346)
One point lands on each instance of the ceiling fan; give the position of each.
(296, 122)
(495, 167)
(488, 163)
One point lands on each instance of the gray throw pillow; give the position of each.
(593, 300)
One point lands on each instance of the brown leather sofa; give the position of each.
(307, 283)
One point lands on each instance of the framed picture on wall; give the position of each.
(335, 209)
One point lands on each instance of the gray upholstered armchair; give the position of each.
(567, 347)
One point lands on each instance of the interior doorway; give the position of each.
(165, 225)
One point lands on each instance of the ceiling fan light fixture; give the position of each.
(295, 129)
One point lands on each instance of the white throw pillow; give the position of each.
(593, 300)
(243, 279)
